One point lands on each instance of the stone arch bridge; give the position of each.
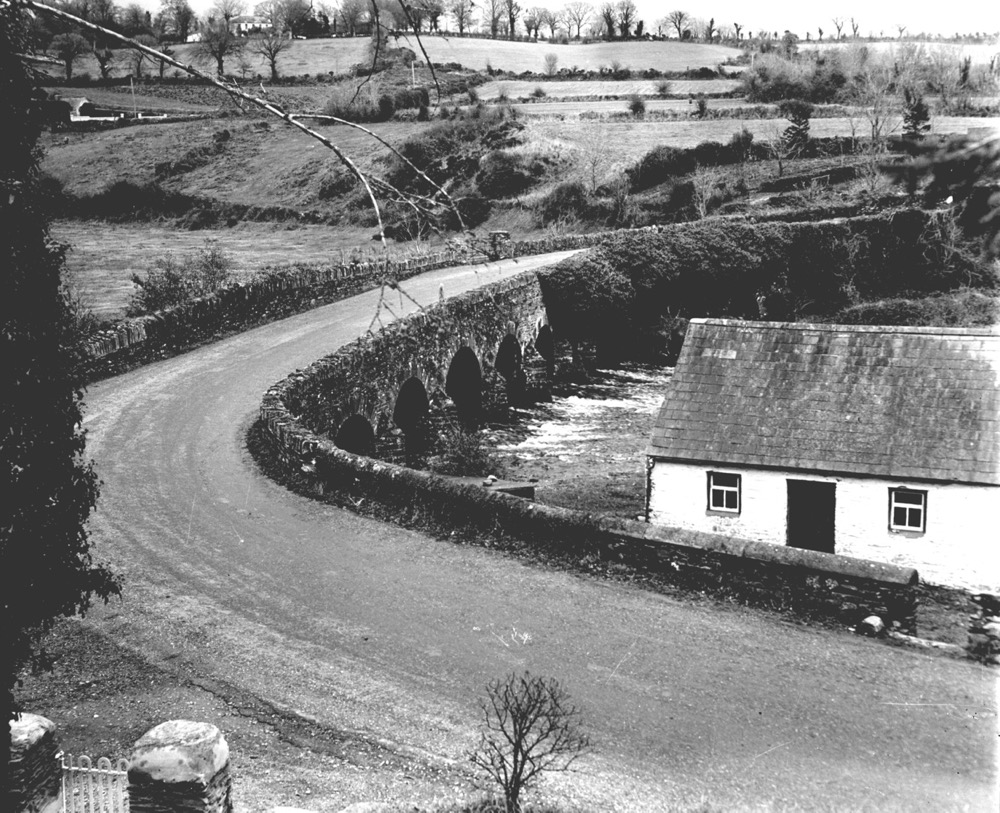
(491, 341)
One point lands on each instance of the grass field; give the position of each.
(103, 256)
(644, 87)
(980, 54)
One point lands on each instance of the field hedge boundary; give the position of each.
(815, 585)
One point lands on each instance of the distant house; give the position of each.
(875, 442)
(246, 24)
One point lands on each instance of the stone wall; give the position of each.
(361, 378)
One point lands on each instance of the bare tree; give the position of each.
(627, 12)
(352, 14)
(178, 18)
(136, 59)
(855, 27)
(838, 23)
(105, 61)
(270, 45)
(679, 20)
(901, 29)
(820, 32)
(577, 14)
(738, 28)
(529, 727)
(218, 43)
(595, 157)
(550, 20)
(227, 9)
(69, 48)
(461, 11)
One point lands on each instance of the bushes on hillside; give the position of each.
(752, 270)
(567, 200)
(663, 163)
(505, 174)
(773, 78)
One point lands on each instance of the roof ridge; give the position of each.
(927, 330)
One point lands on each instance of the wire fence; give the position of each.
(87, 788)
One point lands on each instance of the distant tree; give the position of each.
(820, 32)
(901, 29)
(789, 44)
(178, 18)
(626, 16)
(461, 12)
(136, 59)
(218, 44)
(609, 18)
(710, 30)
(512, 9)
(49, 488)
(738, 28)
(679, 20)
(577, 14)
(270, 45)
(916, 115)
(551, 64)
(550, 20)
(352, 13)
(105, 61)
(298, 15)
(529, 727)
(134, 19)
(493, 14)
(796, 135)
(68, 48)
(838, 23)
(855, 28)
(226, 10)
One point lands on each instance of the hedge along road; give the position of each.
(366, 626)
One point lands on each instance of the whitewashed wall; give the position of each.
(961, 546)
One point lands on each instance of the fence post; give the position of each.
(34, 773)
(180, 765)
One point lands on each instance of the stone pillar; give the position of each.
(180, 766)
(35, 775)
(984, 630)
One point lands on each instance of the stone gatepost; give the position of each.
(180, 766)
(34, 772)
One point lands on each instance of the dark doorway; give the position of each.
(356, 436)
(812, 509)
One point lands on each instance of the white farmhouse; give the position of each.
(874, 442)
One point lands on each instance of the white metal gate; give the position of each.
(90, 789)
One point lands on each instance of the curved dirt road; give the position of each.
(364, 626)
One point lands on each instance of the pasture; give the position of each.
(979, 53)
(103, 256)
(517, 89)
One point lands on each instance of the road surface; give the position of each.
(370, 627)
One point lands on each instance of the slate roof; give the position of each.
(897, 402)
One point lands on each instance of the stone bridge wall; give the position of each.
(365, 377)
(302, 413)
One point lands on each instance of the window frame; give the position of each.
(714, 488)
(908, 506)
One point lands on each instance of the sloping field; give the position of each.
(980, 54)
(338, 55)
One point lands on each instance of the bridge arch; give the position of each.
(509, 363)
(356, 436)
(464, 384)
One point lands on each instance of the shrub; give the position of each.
(336, 184)
(637, 105)
(464, 453)
(473, 96)
(658, 166)
(701, 106)
(551, 64)
(504, 174)
(567, 199)
(386, 107)
(170, 282)
(795, 139)
(538, 92)
(663, 88)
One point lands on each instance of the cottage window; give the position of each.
(907, 510)
(723, 492)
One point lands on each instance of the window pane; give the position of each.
(731, 480)
(909, 497)
(899, 517)
(731, 500)
(718, 499)
(913, 518)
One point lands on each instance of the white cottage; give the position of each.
(875, 442)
